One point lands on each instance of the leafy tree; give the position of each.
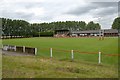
(116, 23)
(24, 28)
(92, 26)
(82, 25)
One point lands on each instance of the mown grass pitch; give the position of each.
(106, 46)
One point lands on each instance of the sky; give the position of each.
(39, 11)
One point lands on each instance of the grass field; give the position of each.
(107, 46)
(60, 66)
(40, 67)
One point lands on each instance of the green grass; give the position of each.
(42, 67)
(106, 46)
(61, 66)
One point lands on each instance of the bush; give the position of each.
(46, 34)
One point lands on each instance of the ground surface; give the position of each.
(9, 53)
(85, 65)
(42, 67)
(85, 48)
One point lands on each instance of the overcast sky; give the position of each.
(39, 11)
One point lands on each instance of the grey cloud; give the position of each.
(24, 15)
(106, 12)
(56, 8)
(43, 18)
(32, 5)
(18, 15)
(81, 10)
(105, 4)
(118, 8)
(46, 18)
(93, 6)
(28, 5)
(102, 0)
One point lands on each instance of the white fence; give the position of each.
(72, 55)
(22, 49)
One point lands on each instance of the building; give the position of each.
(103, 32)
(61, 33)
(87, 33)
(111, 32)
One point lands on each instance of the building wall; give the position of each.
(105, 32)
(89, 33)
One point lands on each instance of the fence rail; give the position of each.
(30, 50)
(73, 52)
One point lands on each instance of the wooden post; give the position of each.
(51, 52)
(35, 51)
(15, 48)
(99, 58)
(72, 54)
(24, 49)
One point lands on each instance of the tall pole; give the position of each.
(9, 33)
(39, 32)
(100, 35)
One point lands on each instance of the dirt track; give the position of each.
(9, 53)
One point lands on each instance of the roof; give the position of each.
(110, 31)
(96, 31)
(86, 31)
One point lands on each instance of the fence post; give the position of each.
(15, 48)
(99, 58)
(72, 54)
(35, 51)
(51, 52)
(24, 49)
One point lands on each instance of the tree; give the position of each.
(116, 23)
(82, 25)
(23, 28)
(93, 26)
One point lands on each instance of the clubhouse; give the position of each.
(87, 33)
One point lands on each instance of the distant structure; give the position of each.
(87, 33)
(62, 33)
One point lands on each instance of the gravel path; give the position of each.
(15, 53)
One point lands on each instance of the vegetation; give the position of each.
(61, 65)
(46, 34)
(85, 64)
(42, 67)
(92, 26)
(23, 28)
(116, 23)
(62, 48)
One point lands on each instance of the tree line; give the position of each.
(23, 28)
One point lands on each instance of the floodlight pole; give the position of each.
(39, 32)
(100, 35)
(9, 33)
